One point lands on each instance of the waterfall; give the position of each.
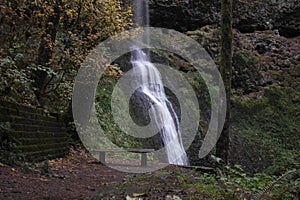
(153, 88)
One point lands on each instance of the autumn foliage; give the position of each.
(43, 43)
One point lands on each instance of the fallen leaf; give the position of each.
(2, 165)
(130, 198)
(139, 194)
(174, 197)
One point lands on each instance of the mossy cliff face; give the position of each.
(249, 15)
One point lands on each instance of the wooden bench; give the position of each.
(143, 153)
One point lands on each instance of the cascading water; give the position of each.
(153, 88)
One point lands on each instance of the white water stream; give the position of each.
(153, 88)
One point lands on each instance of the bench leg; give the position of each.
(102, 157)
(144, 159)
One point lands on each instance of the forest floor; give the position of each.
(77, 176)
(80, 176)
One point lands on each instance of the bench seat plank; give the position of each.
(143, 153)
(124, 150)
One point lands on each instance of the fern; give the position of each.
(260, 195)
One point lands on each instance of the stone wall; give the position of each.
(36, 135)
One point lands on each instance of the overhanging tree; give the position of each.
(222, 147)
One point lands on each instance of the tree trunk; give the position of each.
(45, 52)
(226, 72)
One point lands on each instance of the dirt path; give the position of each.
(79, 176)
